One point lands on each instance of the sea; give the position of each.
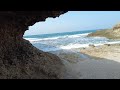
(67, 40)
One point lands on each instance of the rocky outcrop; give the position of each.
(116, 26)
(18, 58)
(113, 33)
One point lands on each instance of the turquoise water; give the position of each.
(58, 34)
(66, 40)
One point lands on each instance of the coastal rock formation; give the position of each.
(116, 27)
(116, 30)
(18, 58)
(113, 33)
(107, 51)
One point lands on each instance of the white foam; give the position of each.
(73, 46)
(54, 38)
(31, 39)
(37, 39)
(97, 41)
(70, 46)
(78, 35)
(99, 37)
(115, 42)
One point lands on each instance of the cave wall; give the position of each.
(18, 21)
(18, 58)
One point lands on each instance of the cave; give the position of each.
(19, 59)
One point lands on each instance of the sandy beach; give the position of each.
(108, 51)
(81, 63)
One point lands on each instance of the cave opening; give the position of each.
(70, 30)
(81, 36)
(85, 43)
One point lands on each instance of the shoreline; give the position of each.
(82, 65)
(106, 51)
(95, 51)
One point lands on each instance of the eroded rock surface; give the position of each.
(18, 58)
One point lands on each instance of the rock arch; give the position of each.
(18, 58)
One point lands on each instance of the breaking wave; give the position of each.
(67, 41)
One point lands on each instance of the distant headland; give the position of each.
(113, 33)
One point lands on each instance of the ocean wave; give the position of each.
(73, 46)
(68, 41)
(31, 39)
(40, 39)
(48, 48)
(78, 35)
(100, 38)
(70, 46)
(114, 42)
(55, 38)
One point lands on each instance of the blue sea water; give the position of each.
(66, 40)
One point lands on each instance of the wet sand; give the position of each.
(82, 66)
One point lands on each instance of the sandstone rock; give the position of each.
(116, 26)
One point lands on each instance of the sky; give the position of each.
(76, 21)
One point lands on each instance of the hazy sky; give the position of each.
(76, 21)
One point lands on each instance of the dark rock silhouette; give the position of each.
(18, 58)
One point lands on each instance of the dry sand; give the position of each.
(82, 66)
(111, 52)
